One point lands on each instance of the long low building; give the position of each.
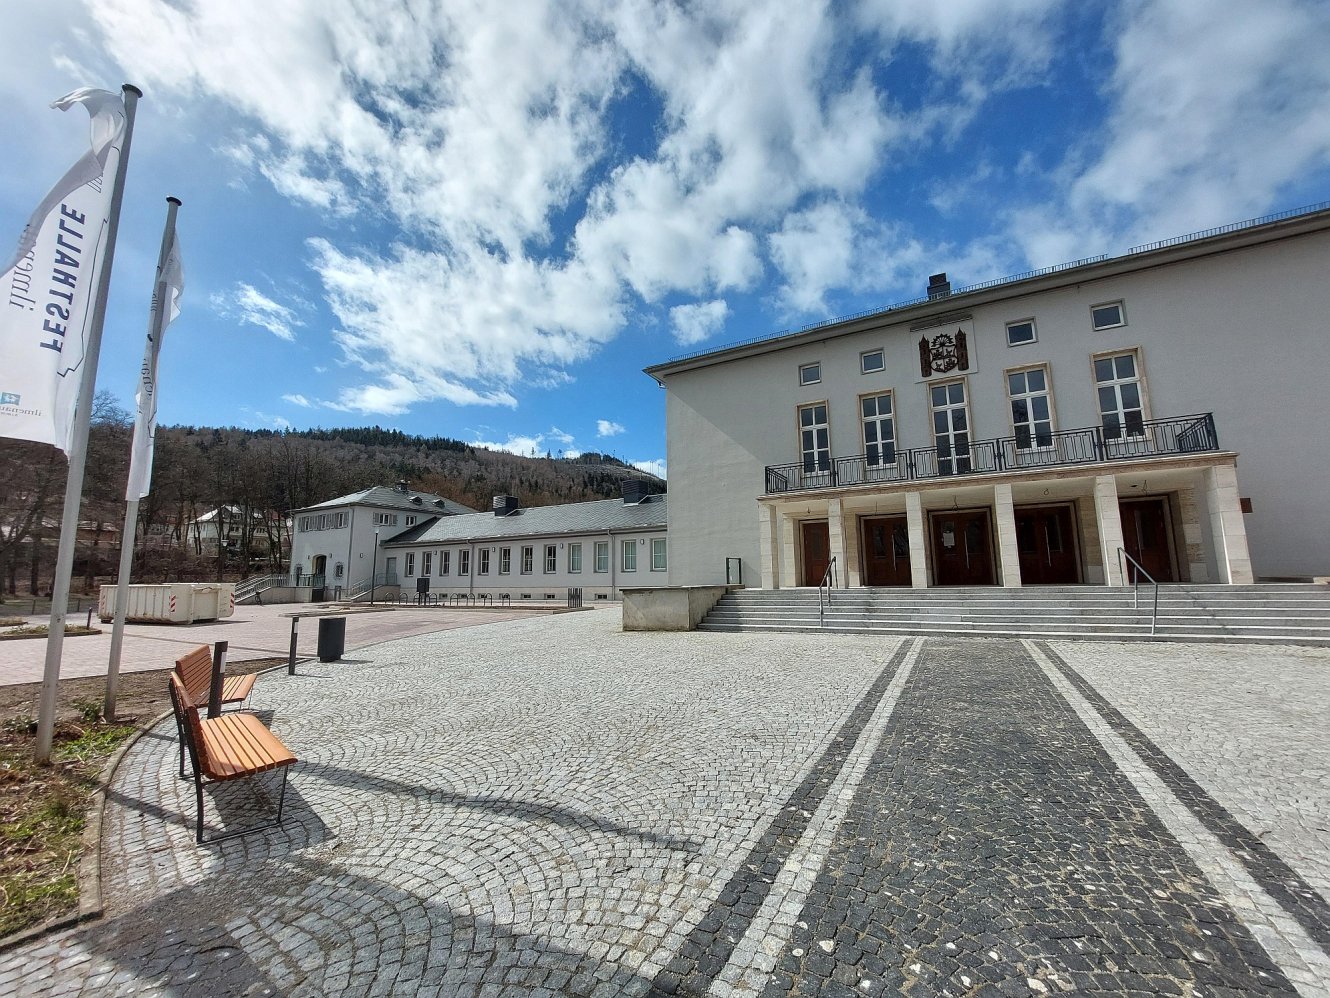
(536, 553)
(1159, 412)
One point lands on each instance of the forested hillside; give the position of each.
(247, 481)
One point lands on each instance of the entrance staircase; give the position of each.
(1274, 613)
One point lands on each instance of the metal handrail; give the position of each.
(829, 581)
(1135, 585)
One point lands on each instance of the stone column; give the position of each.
(1008, 552)
(768, 545)
(785, 532)
(1227, 529)
(836, 539)
(1108, 517)
(914, 522)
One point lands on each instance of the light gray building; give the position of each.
(538, 552)
(333, 543)
(1166, 404)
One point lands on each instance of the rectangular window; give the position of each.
(574, 558)
(551, 558)
(951, 428)
(426, 562)
(602, 556)
(630, 556)
(505, 561)
(1031, 414)
(658, 554)
(871, 362)
(810, 374)
(444, 558)
(1020, 332)
(385, 519)
(814, 438)
(464, 562)
(879, 424)
(410, 563)
(1107, 315)
(1121, 409)
(483, 562)
(528, 557)
(410, 521)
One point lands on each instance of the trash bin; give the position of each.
(332, 638)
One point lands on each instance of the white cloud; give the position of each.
(247, 304)
(606, 428)
(654, 467)
(699, 321)
(560, 436)
(516, 444)
(299, 400)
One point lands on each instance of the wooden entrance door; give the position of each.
(1145, 536)
(1047, 546)
(817, 551)
(886, 545)
(962, 548)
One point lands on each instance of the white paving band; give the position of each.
(1286, 942)
(756, 954)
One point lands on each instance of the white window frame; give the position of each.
(629, 563)
(658, 563)
(528, 559)
(551, 559)
(445, 562)
(426, 563)
(505, 561)
(1122, 315)
(410, 521)
(814, 452)
(881, 356)
(463, 562)
(1034, 332)
(810, 373)
(385, 519)
(1121, 411)
(961, 464)
(876, 422)
(602, 555)
(1031, 422)
(410, 564)
(483, 562)
(575, 559)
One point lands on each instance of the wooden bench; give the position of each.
(234, 746)
(195, 671)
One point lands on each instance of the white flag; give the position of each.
(165, 307)
(47, 291)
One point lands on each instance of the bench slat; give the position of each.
(237, 745)
(195, 670)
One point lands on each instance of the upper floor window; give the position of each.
(385, 519)
(810, 374)
(410, 521)
(1107, 315)
(951, 428)
(815, 437)
(1121, 408)
(1031, 415)
(871, 362)
(879, 424)
(1020, 332)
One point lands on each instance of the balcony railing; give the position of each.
(1093, 445)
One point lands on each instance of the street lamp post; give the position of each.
(374, 568)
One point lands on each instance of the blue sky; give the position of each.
(483, 220)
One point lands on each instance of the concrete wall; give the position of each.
(667, 609)
(1244, 334)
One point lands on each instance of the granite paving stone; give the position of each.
(551, 806)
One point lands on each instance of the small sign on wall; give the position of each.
(947, 350)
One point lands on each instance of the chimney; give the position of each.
(402, 486)
(505, 505)
(634, 491)
(938, 286)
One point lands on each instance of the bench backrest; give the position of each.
(195, 671)
(187, 718)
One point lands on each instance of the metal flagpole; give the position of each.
(156, 324)
(78, 455)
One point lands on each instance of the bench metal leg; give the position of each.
(281, 804)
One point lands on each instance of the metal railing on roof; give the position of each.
(998, 282)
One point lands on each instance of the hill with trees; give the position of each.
(245, 483)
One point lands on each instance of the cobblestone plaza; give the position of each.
(552, 806)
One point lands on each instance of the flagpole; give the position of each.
(78, 454)
(156, 324)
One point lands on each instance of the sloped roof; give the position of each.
(391, 498)
(538, 521)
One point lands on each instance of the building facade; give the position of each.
(333, 543)
(1154, 414)
(537, 553)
